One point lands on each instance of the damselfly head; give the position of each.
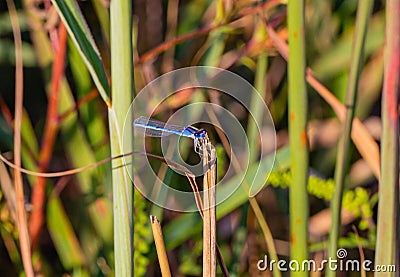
(200, 134)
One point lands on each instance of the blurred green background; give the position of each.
(75, 237)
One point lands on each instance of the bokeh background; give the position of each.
(70, 217)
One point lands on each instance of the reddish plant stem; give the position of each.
(50, 133)
(6, 112)
(387, 238)
(391, 82)
(85, 99)
(166, 45)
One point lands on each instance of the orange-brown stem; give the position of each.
(50, 133)
(166, 45)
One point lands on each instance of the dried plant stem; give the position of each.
(199, 203)
(160, 247)
(19, 190)
(209, 221)
(253, 202)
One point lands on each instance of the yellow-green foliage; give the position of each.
(141, 235)
(321, 188)
(355, 201)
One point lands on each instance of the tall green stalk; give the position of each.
(298, 134)
(122, 89)
(387, 240)
(363, 15)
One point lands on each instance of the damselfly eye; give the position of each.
(201, 134)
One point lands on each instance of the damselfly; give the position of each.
(154, 128)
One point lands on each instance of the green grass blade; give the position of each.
(63, 235)
(363, 15)
(89, 113)
(255, 106)
(80, 34)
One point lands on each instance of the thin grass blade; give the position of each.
(363, 15)
(80, 34)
